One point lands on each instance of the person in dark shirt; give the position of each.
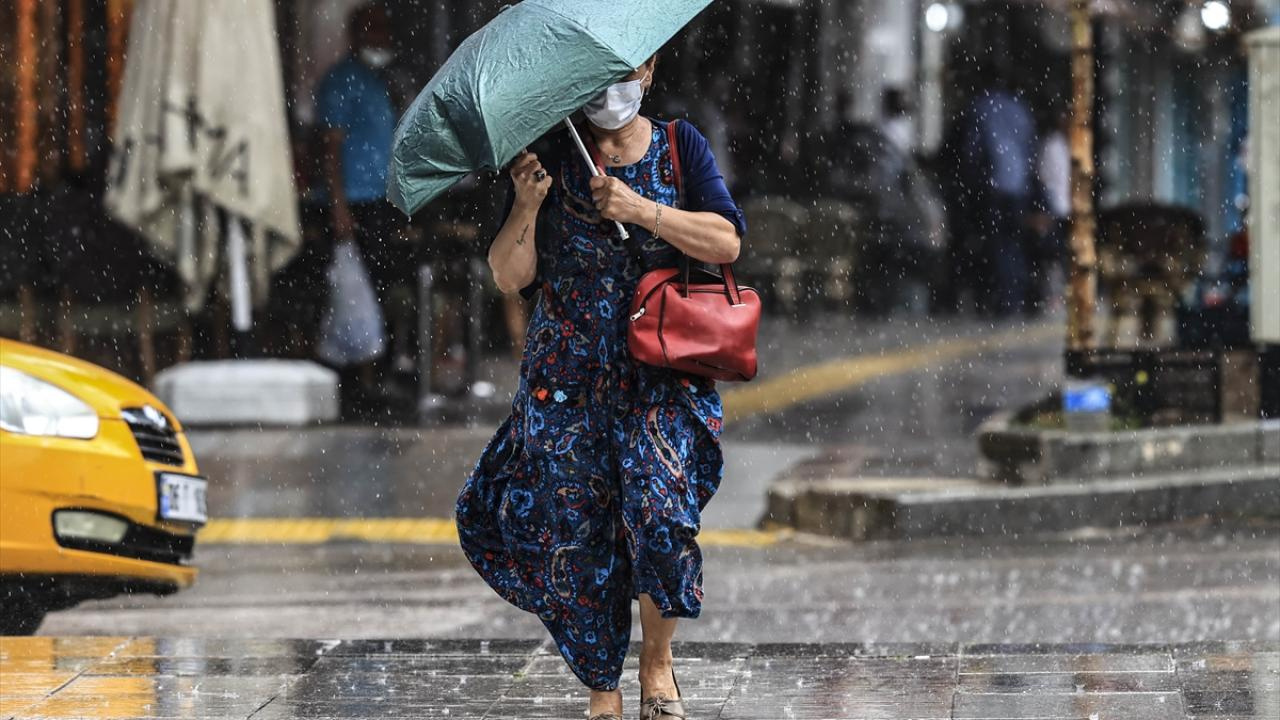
(358, 117)
(1002, 143)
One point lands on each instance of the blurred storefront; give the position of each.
(1171, 89)
(775, 84)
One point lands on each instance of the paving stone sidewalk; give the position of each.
(98, 677)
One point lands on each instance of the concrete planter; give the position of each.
(1029, 456)
(249, 392)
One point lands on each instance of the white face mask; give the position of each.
(617, 105)
(376, 58)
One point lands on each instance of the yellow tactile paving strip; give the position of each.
(428, 531)
(766, 396)
(304, 531)
(819, 380)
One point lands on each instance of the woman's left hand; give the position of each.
(616, 200)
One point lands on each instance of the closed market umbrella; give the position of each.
(201, 130)
(510, 82)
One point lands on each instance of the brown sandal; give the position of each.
(660, 706)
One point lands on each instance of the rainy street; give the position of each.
(889, 629)
(655, 359)
(1188, 583)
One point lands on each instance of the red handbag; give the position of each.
(703, 326)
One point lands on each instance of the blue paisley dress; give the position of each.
(591, 490)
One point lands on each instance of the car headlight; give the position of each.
(35, 407)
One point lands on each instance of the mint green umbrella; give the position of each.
(510, 82)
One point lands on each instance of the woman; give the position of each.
(590, 493)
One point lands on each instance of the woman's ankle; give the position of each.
(655, 659)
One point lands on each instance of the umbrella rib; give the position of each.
(585, 30)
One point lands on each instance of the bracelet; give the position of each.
(657, 219)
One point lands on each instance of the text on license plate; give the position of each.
(182, 497)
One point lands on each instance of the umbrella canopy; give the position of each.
(201, 128)
(532, 66)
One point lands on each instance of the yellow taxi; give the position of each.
(99, 492)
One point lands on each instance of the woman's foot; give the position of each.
(659, 693)
(605, 705)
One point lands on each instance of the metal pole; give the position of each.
(75, 86)
(1082, 273)
(26, 112)
(118, 14)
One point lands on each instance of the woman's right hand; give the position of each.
(531, 180)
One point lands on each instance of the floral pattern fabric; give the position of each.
(591, 491)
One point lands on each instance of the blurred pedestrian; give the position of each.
(960, 274)
(358, 117)
(590, 494)
(900, 221)
(896, 121)
(998, 164)
(1048, 226)
(456, 225)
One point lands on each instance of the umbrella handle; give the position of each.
(595, 171)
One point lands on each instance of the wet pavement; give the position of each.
(819, 628)
(1168, 585)
(466, 679)
(1203, 582)
(902, 396)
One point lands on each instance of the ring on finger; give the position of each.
(539, 175)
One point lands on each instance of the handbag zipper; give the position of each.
(652, 291)
(640, 313)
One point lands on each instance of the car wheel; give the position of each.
(20, 617)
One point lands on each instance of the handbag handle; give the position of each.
(726, 269)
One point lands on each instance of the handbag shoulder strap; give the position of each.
(726, 270)
(676, 173)
(673, 149)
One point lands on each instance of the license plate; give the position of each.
(182, 497)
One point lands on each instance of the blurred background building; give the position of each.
(808, 102)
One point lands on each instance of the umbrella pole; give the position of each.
(595, 171)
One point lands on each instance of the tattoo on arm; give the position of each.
(525, 231)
